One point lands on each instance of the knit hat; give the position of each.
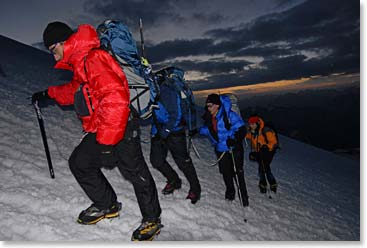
(253, 119)
(213, 98)
(56, 32)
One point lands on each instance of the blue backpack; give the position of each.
(175, 77)
(116, 38)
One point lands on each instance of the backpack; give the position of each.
(234, 101)
(234, 107)
(117, 40)
(175, 77)
(269, 127)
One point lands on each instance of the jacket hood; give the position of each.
(224, 131)
(77, 47)
(226, 103)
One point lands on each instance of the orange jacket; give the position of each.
(257, 141)
(104, 84)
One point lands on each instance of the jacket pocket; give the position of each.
(82, 101)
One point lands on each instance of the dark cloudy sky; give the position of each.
(218, 42)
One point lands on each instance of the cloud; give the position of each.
(212, 66)
(313, 24)
(210, 18)
(310, 38)
(267, 51)
(291, 67)
(282, 3)
(153, 12)
(315, 37)
(178, 48)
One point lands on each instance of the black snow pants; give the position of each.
(226, 168)
(176, 144)
(87, 160)
(264, 159)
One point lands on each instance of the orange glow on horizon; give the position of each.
(283, 86)
(261, 87)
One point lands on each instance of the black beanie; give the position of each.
(213, 98)
(56, 32)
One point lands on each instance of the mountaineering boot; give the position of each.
(171, 186)
(93, 214)
(262, 188)
(274, 187)
(194, 197)
(147, 231)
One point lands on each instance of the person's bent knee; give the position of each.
(77, 162)
(72, 163)
(184, 163)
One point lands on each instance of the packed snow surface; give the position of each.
(318, 196)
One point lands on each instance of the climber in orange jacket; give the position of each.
(263, 146)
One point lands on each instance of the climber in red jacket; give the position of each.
(100, 95)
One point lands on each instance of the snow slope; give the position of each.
(318, 198)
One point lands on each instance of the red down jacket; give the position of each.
(104, 81)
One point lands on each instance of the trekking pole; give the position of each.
(188, 143)
(237, 182)
(44, 138)
(149, 79)
(194, 148)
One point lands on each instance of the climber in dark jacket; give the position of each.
(168, 134)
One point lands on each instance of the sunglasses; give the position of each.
(53, 48)
(209, 105)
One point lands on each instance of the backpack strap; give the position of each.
(226, 120)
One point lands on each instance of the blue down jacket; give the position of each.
(228, 123)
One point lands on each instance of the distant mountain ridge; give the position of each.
(32, 65)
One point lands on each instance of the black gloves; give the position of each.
(231, 142)
(40, 96)
(239, 135)
(193, 132)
